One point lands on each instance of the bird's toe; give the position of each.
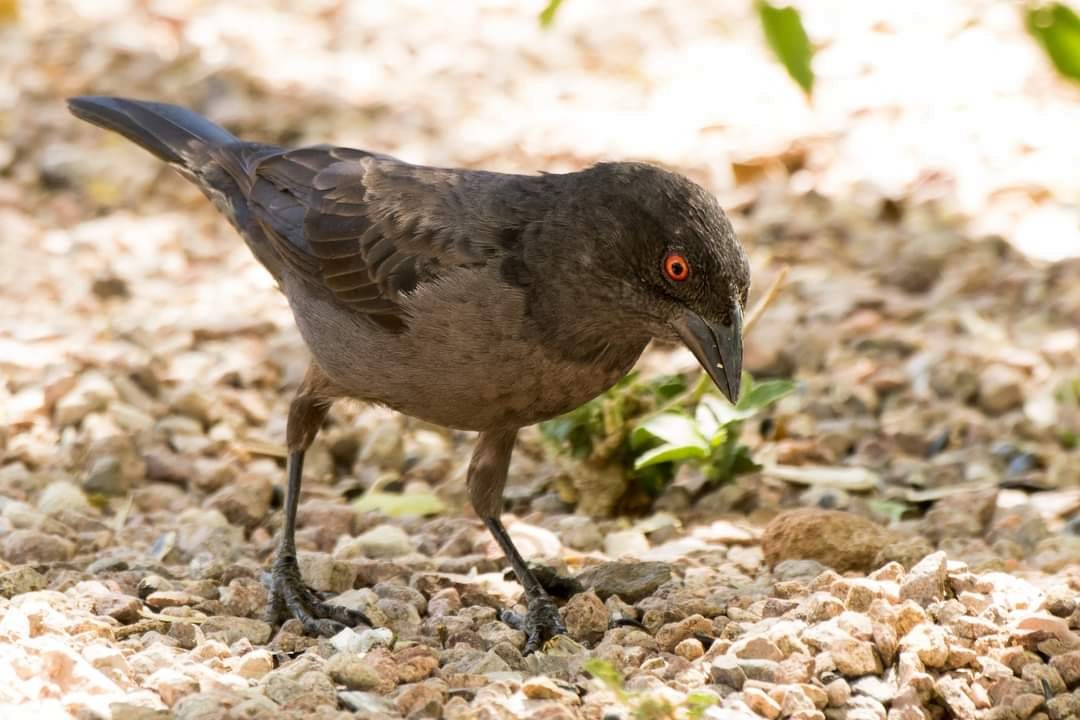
(541, 623)
(290, 597)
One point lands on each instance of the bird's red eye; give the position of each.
(676, 267)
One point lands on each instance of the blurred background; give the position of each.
(913, 165)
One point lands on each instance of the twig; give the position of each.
(766, 299)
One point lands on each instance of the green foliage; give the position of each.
(643, 706)
(698, 702)
(547, 15)
(399, 505)
(583, 430)
(651, 427)
(786, 36)
(1057, 29)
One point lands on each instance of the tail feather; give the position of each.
(172, 133)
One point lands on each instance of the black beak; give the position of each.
(717, 347)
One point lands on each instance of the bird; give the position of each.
(475, 300)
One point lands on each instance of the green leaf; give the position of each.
(672, 428)
(1057, 29)
(723, 413)
(892, 509)
(697, 702)
(762, 395)
(742, 463)
(786, 36)
(547, 15)
(400, 505)
(670, 453)
(606, 673)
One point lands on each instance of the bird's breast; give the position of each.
(467, 359)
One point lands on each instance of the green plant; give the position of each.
(1057, 29)
(784, 32)
(650, 427)
(644, 706)
(1054, 26)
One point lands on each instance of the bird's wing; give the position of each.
(368, 228)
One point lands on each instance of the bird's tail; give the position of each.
(174, 134)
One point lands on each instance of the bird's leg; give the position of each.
(288, 593)
(487, 477)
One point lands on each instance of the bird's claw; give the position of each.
(540, 623)
(290, 597)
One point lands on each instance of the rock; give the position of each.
(350, 641)
(543, 688)
(131, 711)
(400, 616)
(625, 543)
(305, 677)
(726, 670)
(929, 643)
(1043, 677)
(444, 602)
(1063, 707)
(670, 635)
(92, 393)
(172, 685)
(761, 703)
(172, 598)
(631, 581)
(21, 546)
(838, 692)
(1024, 705)
(854, 658)
(837, 539)
(926, 582)
(207, 530)
(1068, 666)
(20, 579)
(229, 629)
(62, 496)
(787, 570)
(332, 520)
(757, 648)
(404, 593)
(380, 542)
(245, 502)
(106, 476)
(185, 635)
(580, 533)
(374, 671)
(820, 606)
(690, 649)
(421, 700)
(369, 705)
(124, 608)
(244, 596)
(954, 693)
(323, 573)
(415, 663)
(586, 617)
(1001, 389)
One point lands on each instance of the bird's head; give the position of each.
(671, 262)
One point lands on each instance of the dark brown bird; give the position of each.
(475, 300)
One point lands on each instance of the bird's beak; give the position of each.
(717, 347)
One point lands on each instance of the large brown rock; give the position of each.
(837, 539)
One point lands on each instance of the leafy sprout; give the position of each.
(650, 427)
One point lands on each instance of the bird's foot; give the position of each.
(554, 584)
(540, 623)
(290, 597)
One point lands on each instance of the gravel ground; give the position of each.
(147, 363)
